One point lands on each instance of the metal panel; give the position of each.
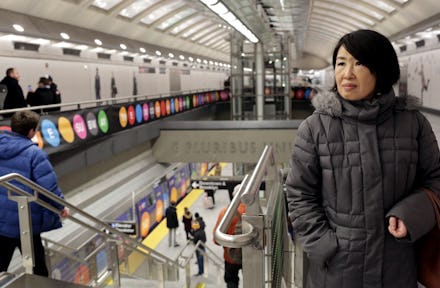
(222, 145)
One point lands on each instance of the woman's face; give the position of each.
(354, 81)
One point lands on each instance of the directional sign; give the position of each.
(209, 185)
(126, 227)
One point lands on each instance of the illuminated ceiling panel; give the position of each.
(204, 40)
(176, 18)
(197, 28)
(349, 19)
(381, 5)
(355, 6)
(219, 44)
(106, 4)
(322, 34)
(329, 27)
(330, 8)
(161, 11)
(337, 22)
(137, 7)
(186, 24)
(204, 32)
(216, 40)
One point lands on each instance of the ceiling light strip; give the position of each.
(221, 10)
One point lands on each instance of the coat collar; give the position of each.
(371, 111)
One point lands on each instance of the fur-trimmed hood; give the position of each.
(327, 102)
(375, 110)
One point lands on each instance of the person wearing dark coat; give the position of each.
(172, 224)
(358, 167)
(56, 93)
(187, 221)
(18, 154)
(198, 234)
(14, 97)
(199, 219)
(43, 95)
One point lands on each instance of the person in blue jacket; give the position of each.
(18, 154)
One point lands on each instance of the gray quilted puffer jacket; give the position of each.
(353, 165)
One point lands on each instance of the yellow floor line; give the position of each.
(153, 239)
(161, 230)
(156, 236)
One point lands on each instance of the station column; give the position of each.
(236, 76)
(259, 75)
(286, 72)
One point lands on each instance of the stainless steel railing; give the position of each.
(264, 240)
(112, 237)
(108, 101)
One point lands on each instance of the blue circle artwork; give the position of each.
(50, 133)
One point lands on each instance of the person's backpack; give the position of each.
(235, 254)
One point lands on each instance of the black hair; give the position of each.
(23, 121)
(44, 81)
(376, 52)
(9, 71)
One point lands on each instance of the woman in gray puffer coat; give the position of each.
(357, 169)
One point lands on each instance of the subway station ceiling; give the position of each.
(190, 26)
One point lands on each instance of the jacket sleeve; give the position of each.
(416, 210)
(304, 197)
(44, 175)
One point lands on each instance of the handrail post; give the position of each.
(253, 255)
(114, 264)
(160, 275)
(26, 238)
(188, 274)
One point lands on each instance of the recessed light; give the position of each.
(65, 36)
(18, 27)
(123, 46)
(98, 42)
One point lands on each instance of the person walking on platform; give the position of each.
(14, 97)
(172, 224)
(358, 169)
(187, 220)
(198, 234)
(232, 256)
(18, 154)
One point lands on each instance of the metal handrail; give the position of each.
(235, 241)
(118, 99)
(103, 228)
(251, 190)
(114, 234)
(247, 193)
